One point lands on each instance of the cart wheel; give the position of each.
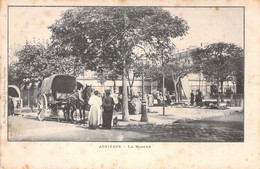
(42, 107)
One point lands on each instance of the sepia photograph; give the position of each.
(126, 73)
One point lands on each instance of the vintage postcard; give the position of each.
(130, 84)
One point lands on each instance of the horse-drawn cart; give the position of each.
(53, 95)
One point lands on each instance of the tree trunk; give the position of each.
(131, 92)
(222, 90)
(176, 88)
(176, 92)
(125, 112)
(218, 96)
(130, 84)
(114, 87)
(180, 91)
(221, 86)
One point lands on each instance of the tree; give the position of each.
(107, 36)
(174, 66)
(31, 64)
(107, 74)
(177, 68)
(37, 60)
(219, 62)
(238, 75)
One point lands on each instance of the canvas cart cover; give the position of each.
(79, 85)
(58, 83)
(13, 91)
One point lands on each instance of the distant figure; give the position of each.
(150, 100)
(192, 98)
(120, 98)
(108, 105)
(115, 97)
(94, 117)
(173, 97)
(31, 103)
(10, 106)
(118, 106)
(168, 99)
(155, 102)
(164, 98)
(198, 99)
(18, 105)
(159, 97)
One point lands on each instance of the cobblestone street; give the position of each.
(217, 129)
(228, 128)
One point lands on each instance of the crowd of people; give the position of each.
(157, 99)
(103, 105)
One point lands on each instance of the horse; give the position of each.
(83, 105)
(70, 107)
(74, 102)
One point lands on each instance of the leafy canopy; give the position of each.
(35, 61)
(105, 37)
(219, 61)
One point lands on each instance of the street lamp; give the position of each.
(144, 117)
(199, 77)
(163, 85)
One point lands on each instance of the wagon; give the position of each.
(15, 93)
(53, 93)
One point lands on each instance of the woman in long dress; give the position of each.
(94, 116)
(150, 100)
(108, 105)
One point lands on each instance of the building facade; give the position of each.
(195, 80)
(90, 79)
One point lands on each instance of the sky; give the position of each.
(210, 25)
(207, 25)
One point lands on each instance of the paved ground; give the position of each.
(179, 114)
(184, 125)
(227, 128)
